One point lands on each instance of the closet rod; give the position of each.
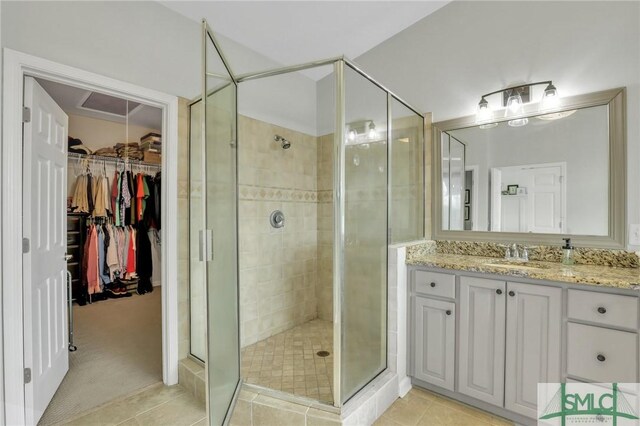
(115, 160)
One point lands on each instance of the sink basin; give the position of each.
(517, 265)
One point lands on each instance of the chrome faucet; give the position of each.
(518, 254)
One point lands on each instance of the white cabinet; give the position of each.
(434, 345)
(482, 334)
(533, 343)
(494, 341)
(601, 354)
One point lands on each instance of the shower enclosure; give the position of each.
(299, 308)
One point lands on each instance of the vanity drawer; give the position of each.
(601, 354)
(603, 308)
(435, 284)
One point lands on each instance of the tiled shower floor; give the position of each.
(289, 362)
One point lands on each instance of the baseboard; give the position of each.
(404, 386)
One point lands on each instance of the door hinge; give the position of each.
(26, 115)
(27, 375)
(26, 245)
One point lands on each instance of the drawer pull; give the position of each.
(433, 284)
(499, 291)
(448, 312)
(512, 293)
(601, 358)
(602, 310)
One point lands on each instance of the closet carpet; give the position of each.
(119, 351)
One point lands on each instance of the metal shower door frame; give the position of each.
(207, 35)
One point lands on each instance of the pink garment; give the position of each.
(93, 274)
(131, 258)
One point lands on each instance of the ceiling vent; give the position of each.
(107, 104)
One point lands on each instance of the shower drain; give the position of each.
(322, 353)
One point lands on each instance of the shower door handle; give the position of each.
(206, 245)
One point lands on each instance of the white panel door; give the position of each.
(482, 333)
(434, 352)
(546, 200)
(534, 321)
(45, 270)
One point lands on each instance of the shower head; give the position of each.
(285, 143)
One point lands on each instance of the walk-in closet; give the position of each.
(113, 248)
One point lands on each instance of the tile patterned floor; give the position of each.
(421, 408)
(289, 362)
(155, 405)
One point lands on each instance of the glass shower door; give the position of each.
(219, 240)
(363, 249)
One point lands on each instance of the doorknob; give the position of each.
(498, 291)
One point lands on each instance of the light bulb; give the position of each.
(352, 135)
(519, 122)
(372, 131)
(483, 112)
(514, 103)
(488, 126)
(550, 98)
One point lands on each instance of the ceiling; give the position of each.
(71, 99)
(294, 32)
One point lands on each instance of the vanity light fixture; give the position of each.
(362, 133)
(372, 131)
(550, 98)
(513, 102)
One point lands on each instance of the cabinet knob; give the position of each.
(499, 291)
(448, 312)
(512, 293)
(602, 310)
(433, 284)
(601, 358)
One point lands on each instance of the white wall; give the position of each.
(446, 61)
(96, 134)
(145, 43)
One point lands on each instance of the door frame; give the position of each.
(16, 66)
(475, 170)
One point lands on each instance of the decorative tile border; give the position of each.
(261, 193)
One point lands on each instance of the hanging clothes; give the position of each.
(158, 181)
(125, 205)
(80, 200)
(115, 198)
(93, 277)
(156, 257)
(144, 260)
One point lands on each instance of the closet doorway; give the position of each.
(112, 202)
(99, 305)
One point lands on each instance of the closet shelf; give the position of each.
(111, 160)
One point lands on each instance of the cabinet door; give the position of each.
(434, 342)
(482, 334)
(534, 319)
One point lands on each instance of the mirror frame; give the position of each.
(615, 99)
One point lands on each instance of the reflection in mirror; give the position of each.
(550, 176)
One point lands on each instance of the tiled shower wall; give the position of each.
(278, 267)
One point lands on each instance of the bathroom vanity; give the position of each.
(486, 331)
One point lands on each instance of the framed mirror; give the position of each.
(534, 178)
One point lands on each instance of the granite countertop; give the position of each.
(596, 275)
